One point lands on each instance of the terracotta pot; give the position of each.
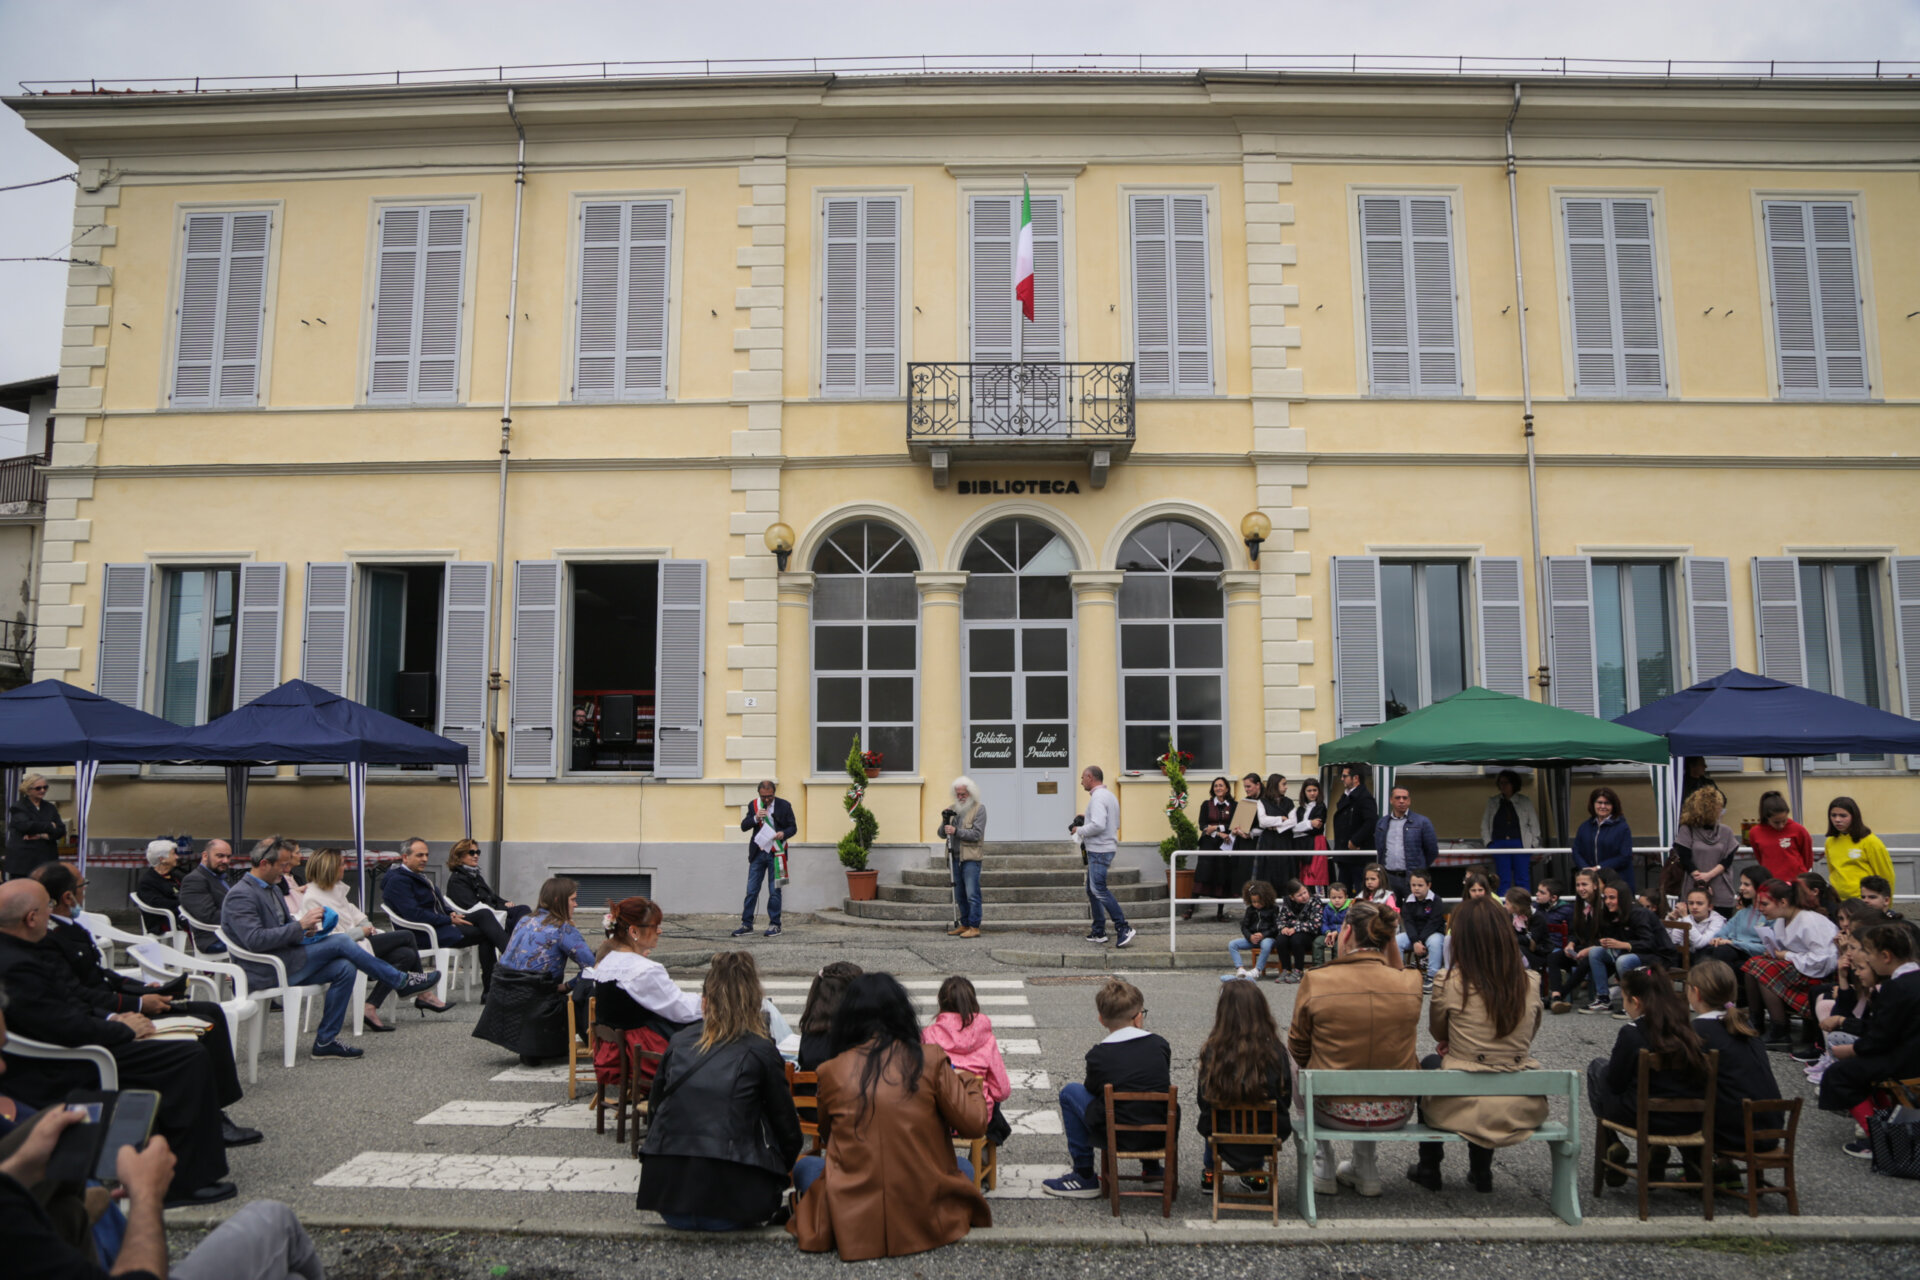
(862, 886)
(1182, 881)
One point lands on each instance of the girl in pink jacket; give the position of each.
(967, 1036)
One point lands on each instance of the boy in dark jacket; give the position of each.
(1132, 1060)
(1259, 927)
(1333, 915)
(1547, 929)
(1423, 927)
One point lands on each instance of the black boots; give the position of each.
(1427, 1172)
(1479, 1167)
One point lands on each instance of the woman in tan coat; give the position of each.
(1358, 1013)
(1486, 1011)
(889, 1183)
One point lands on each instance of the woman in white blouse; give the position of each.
(636, 931)
(325, 887)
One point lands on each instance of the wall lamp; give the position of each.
(779, 539)
(1255, 529)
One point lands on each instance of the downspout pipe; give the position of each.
(496, 739)
(1543, 677)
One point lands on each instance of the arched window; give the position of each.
(1173, 644)
(866, 646)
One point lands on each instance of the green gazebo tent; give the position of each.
(1479, 726)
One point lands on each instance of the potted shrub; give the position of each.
(1185, 834)
(854, 846)
(872, 759)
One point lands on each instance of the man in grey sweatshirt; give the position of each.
(1098, 832)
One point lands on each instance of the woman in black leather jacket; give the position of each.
(725, 1133)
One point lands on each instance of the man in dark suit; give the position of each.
(108, 992)
(45, 1003)
(773, 816)
(1354, 817)
(407, 890)
(203, 890)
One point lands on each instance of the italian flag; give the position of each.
(1023, 261)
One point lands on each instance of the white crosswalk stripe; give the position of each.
(1033, 1120)
(1027, 1079)
(1019, 1048)
(517, 1115)
(406, 1170)
(542, 1075)
(1022, 1181)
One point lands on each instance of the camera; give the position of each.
(1080, 820)
(949, 817)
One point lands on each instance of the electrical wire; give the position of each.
(22, 186)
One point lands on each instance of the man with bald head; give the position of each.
(203, 890)
(46, 1004)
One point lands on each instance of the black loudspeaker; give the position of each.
(413, 695)
(616, 719)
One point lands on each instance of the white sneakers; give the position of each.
(1235, 976)
(1366, 1180)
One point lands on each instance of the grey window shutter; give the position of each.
(1500, 599)
(1818, 320)
(1614, 297)
(860, 296)
(1430, 225)
(1571, 651)
(418, 305)
(1413, 341)
(221, 318)
(467, 604)
(1906, 629)
(1192, 297)
(1152, 297)
(1776, 608)
(120, 670)
(1173, 317)
(533, 728)
(1709, 588)
(620, 344)
(994, 226)
(840, 298)
(1359, 648)
(257, 642)
(323, 641)
(1043, 337)
(1386, 295)
(679, 684)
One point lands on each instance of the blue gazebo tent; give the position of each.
(51, 722)
(1742, 714)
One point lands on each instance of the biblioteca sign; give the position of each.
(985, 488)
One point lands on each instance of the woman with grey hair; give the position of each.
(157, 886)
(965, 828)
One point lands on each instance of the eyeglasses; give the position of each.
(32, 789)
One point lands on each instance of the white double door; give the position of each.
(1019, 725)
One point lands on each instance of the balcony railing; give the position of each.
(21, 480)
(1034, 402)
(16, 644)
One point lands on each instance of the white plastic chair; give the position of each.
(101, 1058)
(163, 964)
(202, 926)
(432, 954)
(293, 1000)
(171, 935)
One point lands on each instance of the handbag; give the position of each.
(1895, 1141)
(1676, 871)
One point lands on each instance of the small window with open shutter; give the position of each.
(860, 296)
(1172, 308)
(1776, 608)
(1709, 586)
(466, 604)
(533, 749)
(1906, 632)
(1500, 599)
(418, 305)
(324, 640)
(1572, 652)
(620, 335)
(1359, 651)
(1614, 297)
(1413, 340)
(680, 684)
(1819, 320)
(220, 321)
(120, 669)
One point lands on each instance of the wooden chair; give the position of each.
(1781, 1157)
(985, 1159)
(807, 1104)
(630, 1092)
(1168, 1152)
(1644, 1139)
(1242, 1127)
(574, 1046)
(1905, 1092)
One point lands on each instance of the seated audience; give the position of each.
(1333, 914)
(1485, 1014)
(1854, 853)
(254, 914)
(1813, 893)
(1423, 928)
(633, 993)
(413, 897)
(1258, 925)
(816, 1019)
(1657, 1020)
(46, 1004)
(108, 992)
(158, 886)
(1877, 891)
(1132, 1060)
(1296, 925)
(1630, 936)
(1361, 1012)
(1546, 933)
(1373, 887)
(1712, 993)
(1567, 968)
(1519, 905)
(1242, 1064)
(326, 888)
(888, 1183)
(967, 1036)
(467, 889)
(527, 1012)
(722, 1135)
(1799, 956)
(1739, 939)
(203, 889)
(1701, 924)
(1889, 1043)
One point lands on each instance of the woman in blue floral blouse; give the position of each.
(526, 1010)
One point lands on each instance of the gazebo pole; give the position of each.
(357, 797)
(1796, 770)
(237, 776)
(83, 771)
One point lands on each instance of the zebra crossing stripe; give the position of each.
(413, 1171)
(515, 1115)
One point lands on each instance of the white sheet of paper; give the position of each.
(764, 837)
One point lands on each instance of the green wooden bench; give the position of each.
(1563, 1138)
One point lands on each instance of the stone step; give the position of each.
(1073, 928)
(996, 877)
(1004, 913)
(993, 894)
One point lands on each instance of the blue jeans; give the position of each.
(1101, 897)
(807, 1171)
(966, 892)
(334, 960)
(761, 867)
(1074, 1101)
(1238, 948)
(1436, 951)
(1599, 960)
(1515, 870)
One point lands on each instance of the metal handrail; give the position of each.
(22, 480)
(952, 401)
(1347, 64)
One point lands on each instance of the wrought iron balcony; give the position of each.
(22, 481)
(1033, 410)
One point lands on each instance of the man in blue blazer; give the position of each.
(1403, 841)
(254, 914)
(416, 899)
(776, 816)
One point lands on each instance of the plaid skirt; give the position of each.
(1780, 977)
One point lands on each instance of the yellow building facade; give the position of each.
(709, 308)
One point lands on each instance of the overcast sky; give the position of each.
(137, 38)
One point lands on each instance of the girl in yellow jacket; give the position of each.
(1853, 851)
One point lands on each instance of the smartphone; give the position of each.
(130, 1125)
(78, 1149)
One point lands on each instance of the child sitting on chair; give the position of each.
(967, 1036)
(1242, 1064)
(1132, 1060)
